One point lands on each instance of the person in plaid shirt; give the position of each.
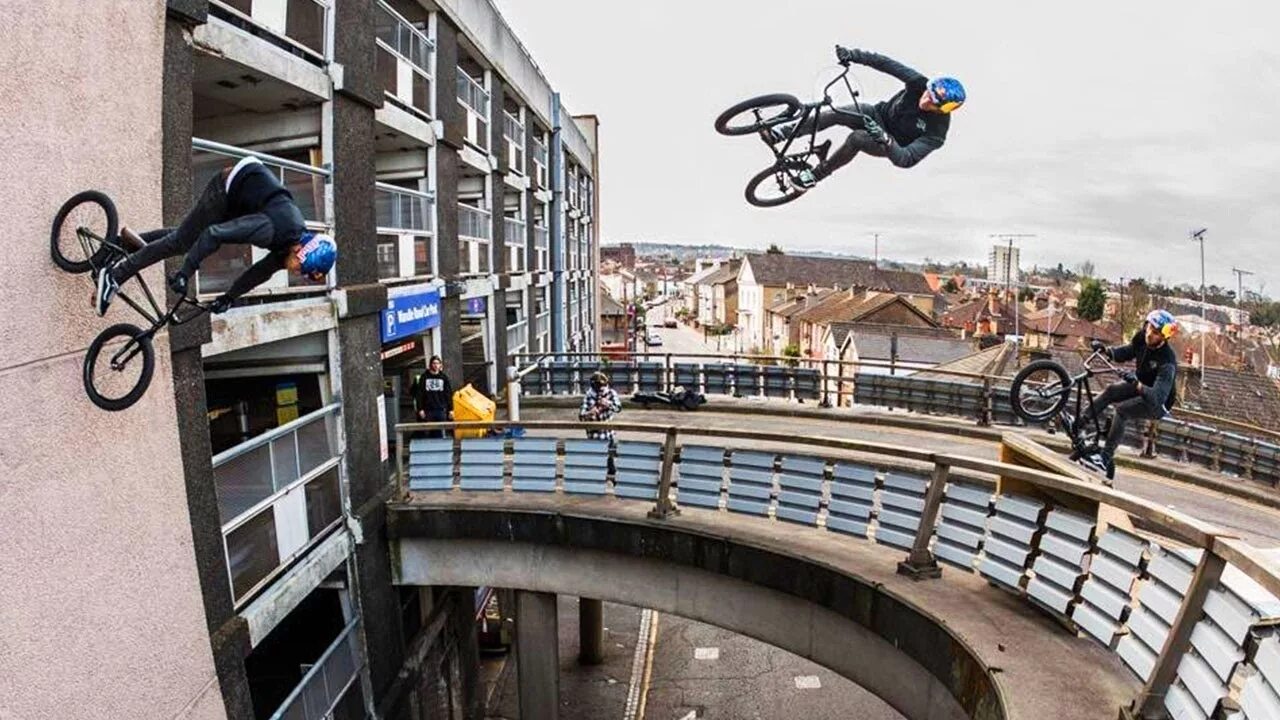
(600, 405)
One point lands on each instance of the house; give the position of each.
(985, 315)
(853, 306)
(623, 285)
(1243, 396)
(779, 330)
(1044, 329)
(915, 348)
(765, 280)
(718, 296)
(689, 286)
(613, 320)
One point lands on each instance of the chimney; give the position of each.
(993, 306)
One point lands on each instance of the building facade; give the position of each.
(462, 195)
(1003, 265)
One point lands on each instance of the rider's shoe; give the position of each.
(106, 291)
(775, 135)
(1108, 465)
(804, 179)
(1068, 423)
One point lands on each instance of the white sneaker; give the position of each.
(107, 287)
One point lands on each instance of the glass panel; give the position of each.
(422, 255)
(242, 482)
(284, 457)
(308, 193)
(385, 208)
(305, 24)
(385, 26)
(324, 501)
(252, 552)
(422, 93)
(314, 445)
(388, 256)
(221, 268)
(351, 706)
(388, 71)
(484, 258)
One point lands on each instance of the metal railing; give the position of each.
(300, 24)
(472, 94)
(541, 237)
(401, 210)
(512, 129)
(277, 494)
(517, 336)
(543, 321)
(474, 222)
(513, 231)
(305, 182)
(1045, 542)
(401, 42)
(895, 384)
(335, 673)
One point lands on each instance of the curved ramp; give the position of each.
(952, 649)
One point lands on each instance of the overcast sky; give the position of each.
(1110, 129)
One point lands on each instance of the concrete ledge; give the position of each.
(252, 325)
(217, 38)
(929, 649)
(1237, 487)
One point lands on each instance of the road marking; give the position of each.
(707, 653)
(641, 664)
(808, 682)
(693, 715)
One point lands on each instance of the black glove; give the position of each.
(876, 132)
(1098, 346)
(1128, 376)
(178, 282)
(220, 305)
(847, 55)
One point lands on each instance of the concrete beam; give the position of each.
(590, 631)
(268, 609)
(251, 325)
(415, 128)
(538, 655)
(219, 39)
(271, 133)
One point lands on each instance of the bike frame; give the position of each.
(811, 110)
(156, 318)
(1082, 390)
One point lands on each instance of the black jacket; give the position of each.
(262, 213)
(432, 391)
(1156, 369)
(914, 133)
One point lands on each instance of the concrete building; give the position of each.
(234, 562)
(624, 254)
(1003, 265)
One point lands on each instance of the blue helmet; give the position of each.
(1163, 322)
(318, 253)
(947, 93)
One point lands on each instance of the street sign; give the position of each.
(410, 314)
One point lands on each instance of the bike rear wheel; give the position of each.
(1040, 391)
(115, 377)
(80, 230)
(752, 116)
(772, 187)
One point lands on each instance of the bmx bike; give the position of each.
(1042, 391)
(87, 237)
(793, 173)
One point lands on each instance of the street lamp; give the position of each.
(1198, 236)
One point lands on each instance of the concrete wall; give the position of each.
(101, 608)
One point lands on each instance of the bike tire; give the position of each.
(753, 186)
(1015, 391)
(91, 359)
(99, 257)
(724, 124)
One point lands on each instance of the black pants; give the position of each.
(210, 209)
(858, 141)
(1130, 405)
(440, 415)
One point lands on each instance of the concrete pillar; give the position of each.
(538, 655)
(590, 631)
(467, 644)
(447, 257)
(228, 633)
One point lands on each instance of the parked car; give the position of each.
(654, 339)
(670, 323)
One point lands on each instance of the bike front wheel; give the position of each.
(118, 367)
(772, 187)
(752, 116)
(81, 229)
(1040, 391)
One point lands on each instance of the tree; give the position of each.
(774, 249)
(1092, 300)
(791, 351)
(1086, 269)
(950, 286)
(1026, 294)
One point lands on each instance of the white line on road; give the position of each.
(706, 653)
(641, 663)
(808, 682)
(693, 715)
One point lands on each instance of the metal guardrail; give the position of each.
(278, 494)
(328, 680)
(513, 232)
(983, 398)
(517, 335)
(474, 222)
(1040, 536)
(398, 35)
(473, 95)
(400, 210)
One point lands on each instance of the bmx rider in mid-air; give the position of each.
(242, 204)
(905, 128)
